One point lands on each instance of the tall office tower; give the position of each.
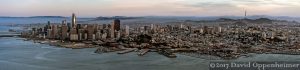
(90, 31)
(73, 30)
(118, 34)
(64, 22)
(81, 33)
(98, 34)
(54, 32)
(73, 35)
(152, 26)
(219, 29)
(69, 26)
(181, 26)
(93, 37)
(64, 30)
(96, 27)
(127, 30)
(116, 25)
(245, 14)
(49, 33)
(112, 33)
(74, 21)
(48, 25)
(85, 36)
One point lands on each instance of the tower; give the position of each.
(73, 31)
(74, 21)
(127, 30)
(245, 14)
(64, 30)
(116, 25)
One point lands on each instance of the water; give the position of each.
(16, 54)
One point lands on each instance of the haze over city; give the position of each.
(94, 8)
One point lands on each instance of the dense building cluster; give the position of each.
(225, 41)
(78, 32)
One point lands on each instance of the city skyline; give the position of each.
(94, 8)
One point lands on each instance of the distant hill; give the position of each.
(287, 18)
(46, 17)
(116, 17)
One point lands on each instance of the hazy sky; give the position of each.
(93, 8)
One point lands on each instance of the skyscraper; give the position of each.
(64, 30)
(127, 30)
(73, 30)
(74, 21)
(54, 32)
(90, 31)
(116, 25)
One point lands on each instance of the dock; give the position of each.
(9, 34)
(126, 51)
(143, 52)
(167, 53)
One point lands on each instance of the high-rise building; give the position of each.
(98, 34)
(152, 26)
(127, 30)
(90, 31)
(74, 21)
(116, 25)
(64, 30)
(219, 29)
(54, 31)
(49, 31)
(112, 33)
(118, 34)
(73, 35)
(48, 25)
(64, 22)
(181, 26)
(81, 33)
(73, 30)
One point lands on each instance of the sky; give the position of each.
(94, 8)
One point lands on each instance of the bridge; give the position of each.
(9, 34)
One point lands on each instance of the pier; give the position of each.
(9, 34)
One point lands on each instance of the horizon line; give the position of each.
(148, 16)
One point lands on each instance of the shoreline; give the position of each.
(103, 49)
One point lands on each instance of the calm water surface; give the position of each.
(16, 54)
